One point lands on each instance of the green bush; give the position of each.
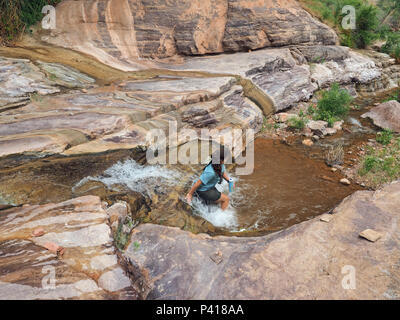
(381, 164)
(392, 45)
(297, 123)
(18, 15)
(384, 137)
(334, 105)
(370, 162)
(371, 22)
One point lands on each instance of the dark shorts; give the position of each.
(209, 196)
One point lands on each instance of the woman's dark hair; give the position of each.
(217, 159)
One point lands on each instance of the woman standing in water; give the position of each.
(212, 174)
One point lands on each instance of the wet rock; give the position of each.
(386, 115)
(277, 266)
(80, 227)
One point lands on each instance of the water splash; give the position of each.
(355, 122)
(215, 215)
(136, 177)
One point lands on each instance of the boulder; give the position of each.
(386, 115)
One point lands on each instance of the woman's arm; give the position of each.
(189, 196)
(225, 176)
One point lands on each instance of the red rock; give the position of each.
(38, 232)
(53, 247)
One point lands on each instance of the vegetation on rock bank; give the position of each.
(381, 164)
(18, 15)
(373, 22)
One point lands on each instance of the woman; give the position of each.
(212, 174)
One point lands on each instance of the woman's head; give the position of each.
(218, 159)
(219, 156)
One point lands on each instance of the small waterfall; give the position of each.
(355, 122)
(136, 177)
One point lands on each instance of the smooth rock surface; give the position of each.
(87, 269)
(127, 33)
(386, 115)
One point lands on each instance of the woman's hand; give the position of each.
(189, 198)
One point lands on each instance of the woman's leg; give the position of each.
(224, 201)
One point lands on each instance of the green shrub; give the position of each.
(392, 45)
(367, 24)
(334, 105)
(370, 162)
(371, 22)
(393, 96)
(297, 123)
(18, 15)
(381, 164)
(384, 137)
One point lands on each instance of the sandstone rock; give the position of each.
(371, 235)
(318, 125)
(326, 217)
(38, 232)
(117, 213)
(287, 86)
(18, 79)
(386, 115)
(159, 30)
(345, 181)
(302, 262)
(355, 68)
(78, 225)
(320, 53)
(308, 142)
(282, 116)
(29, 272)
(104, 119)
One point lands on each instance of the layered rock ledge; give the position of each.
(88, 267)
(128, 33)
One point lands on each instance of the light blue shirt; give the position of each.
(209, 178)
